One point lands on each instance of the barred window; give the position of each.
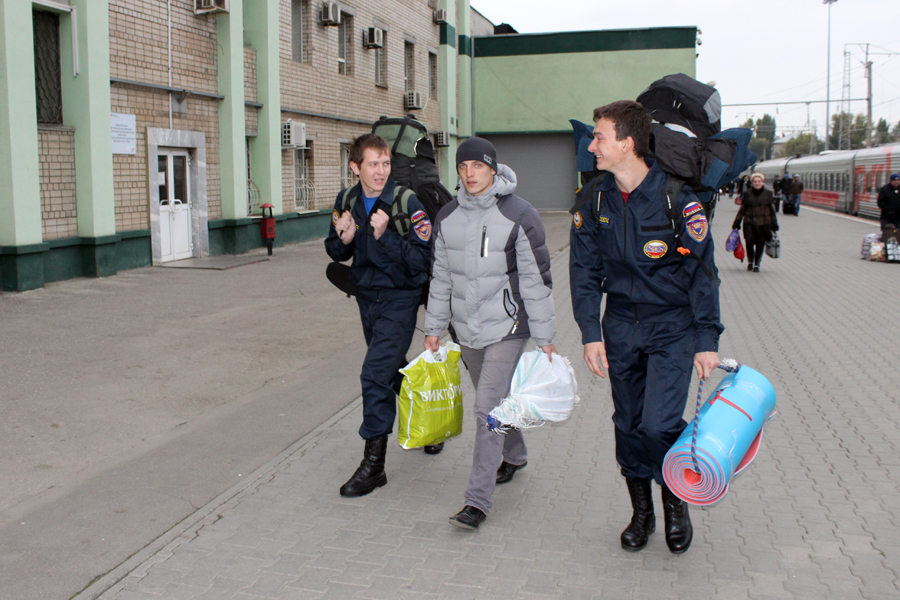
(381, 69)
(299, 33)
(347, 175)
(47, 71)
(433, 89)
(345, 45)
(409, 66)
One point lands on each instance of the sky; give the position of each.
(755, 51)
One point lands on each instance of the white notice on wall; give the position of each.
(124, 134)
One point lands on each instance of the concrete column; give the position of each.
(261, 33)
(464, 21)
(232, 151)
(21, 239)
(447, 55)
(20, 188)
(86, 107)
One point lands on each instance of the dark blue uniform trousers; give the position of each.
(650, 374)
(388, 320)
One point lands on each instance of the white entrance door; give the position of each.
(174, 205)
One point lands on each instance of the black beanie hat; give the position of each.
(476, 148)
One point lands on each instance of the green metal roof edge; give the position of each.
(567, 42)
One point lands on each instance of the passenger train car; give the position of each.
(844, 181)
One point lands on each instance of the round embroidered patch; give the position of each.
(423, 230)
(335, 216)
(655, 248)
(577, 221)
(697, 228)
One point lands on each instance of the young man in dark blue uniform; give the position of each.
(388, 272)
(662, 308)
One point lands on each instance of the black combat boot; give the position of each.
(679, 531)
(643, 521)
(370, 474)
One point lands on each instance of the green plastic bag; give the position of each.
(430, 405)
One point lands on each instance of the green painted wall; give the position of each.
(261, 32)
(20, 209)
(537, 82)
(86, 107)
(230, 74)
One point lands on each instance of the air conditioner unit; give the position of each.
(331, 13)
(440, 16)
(293, 134)
(412, 100)
(442, 139)
(204, 7)
(374, 38)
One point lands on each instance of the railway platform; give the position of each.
(816, 516)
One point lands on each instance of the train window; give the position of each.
(869, 182)
(831, 182)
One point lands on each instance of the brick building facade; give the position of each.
(198, 102)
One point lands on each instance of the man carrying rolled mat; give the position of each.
(662, 308)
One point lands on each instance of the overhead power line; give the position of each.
(792, 102)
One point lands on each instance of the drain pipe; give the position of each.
(169, 27)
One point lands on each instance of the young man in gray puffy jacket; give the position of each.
(491, 271)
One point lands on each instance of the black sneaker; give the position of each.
(436, 449)
(756, 269)
(750, 267)
(506, 471)
(468, 518)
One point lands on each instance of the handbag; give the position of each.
(734, 238)
(773, 246)
(430, 403)
(739, 251)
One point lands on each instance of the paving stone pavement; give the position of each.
(816, 516)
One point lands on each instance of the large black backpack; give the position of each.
(687, 141)
(413, 163)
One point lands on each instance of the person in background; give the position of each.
(491, 272)
(889, 202)
(759, 218)
(796, 190)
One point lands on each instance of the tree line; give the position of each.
(805, 143)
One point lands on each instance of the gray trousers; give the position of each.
(492, 370)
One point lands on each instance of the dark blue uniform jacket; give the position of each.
(393, 262)
(628, 252)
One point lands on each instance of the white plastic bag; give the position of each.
(541, 390)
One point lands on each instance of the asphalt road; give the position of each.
(130, 401)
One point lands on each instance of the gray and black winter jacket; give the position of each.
(491, 268)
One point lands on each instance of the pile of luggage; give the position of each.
(882, 247)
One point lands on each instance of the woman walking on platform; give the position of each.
(759, 217)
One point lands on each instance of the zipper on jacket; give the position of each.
(625, 252)
(484, 241)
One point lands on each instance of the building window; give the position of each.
(345, 45)
(409, 66)
(433, 88)
(348, 178)
(299, 34)
(304, 189)
(47, 72)
(381, 63)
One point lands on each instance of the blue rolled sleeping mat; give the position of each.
(729, 433)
